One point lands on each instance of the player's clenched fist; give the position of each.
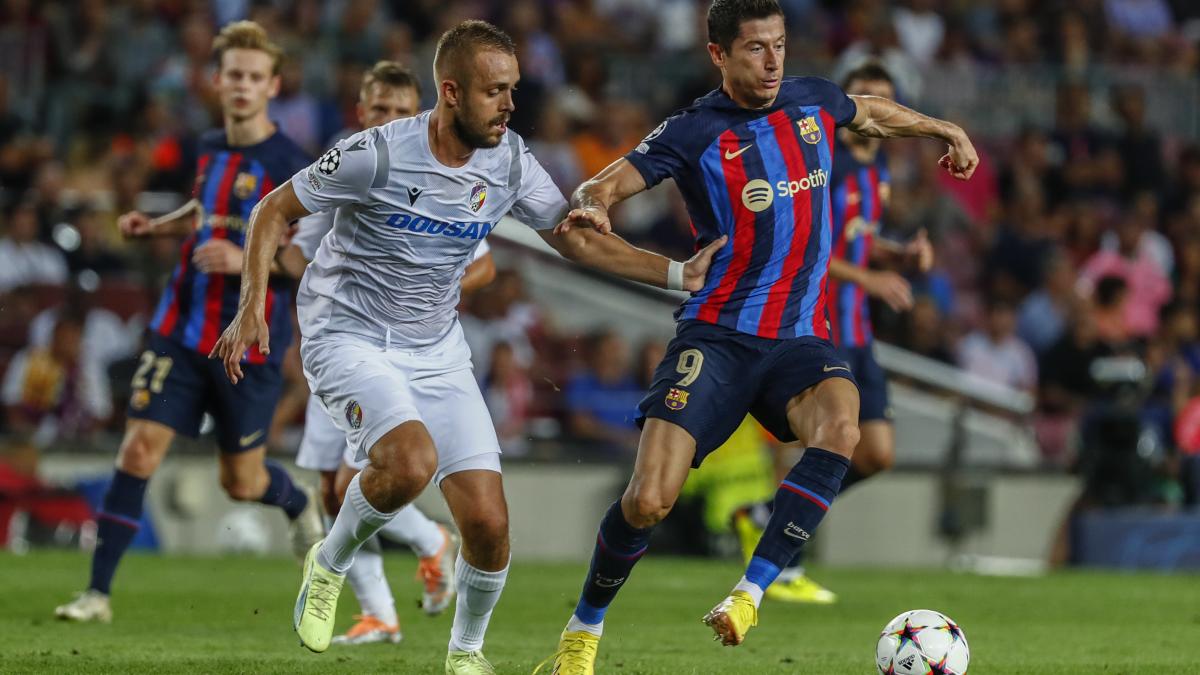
(594, 218)
(695, 270)
(134, 224)
(961, 159)
(247, 329)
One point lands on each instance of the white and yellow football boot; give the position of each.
(468, 663)
(317, 603)
(732, 618)
(87, 606)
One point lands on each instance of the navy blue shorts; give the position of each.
(712, 376)
(175, 385)
(872, 383)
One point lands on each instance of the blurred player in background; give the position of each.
(389, 91)
(175, 385)
(753, 161)
(859, 190)
(383, 348)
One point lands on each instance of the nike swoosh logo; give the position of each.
(245, 441)
(732, 155)
(827, 369)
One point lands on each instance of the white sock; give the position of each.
(356, 522)
(478, 593)
(574, 625)
(415, 530)
(370, 585)
(752, 588)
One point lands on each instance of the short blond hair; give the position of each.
(390, 74)
(246, 35)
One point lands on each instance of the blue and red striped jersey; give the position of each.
(762, 178)
(195, 307)
(859, 191)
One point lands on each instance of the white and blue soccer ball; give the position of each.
(922, 642)
(242, 531)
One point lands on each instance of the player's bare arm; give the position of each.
(591, 201)
(478, 274)
(268, 222)
(882, 118)
(883, 284)
(916, 254)
(179, 222)
(610, 253)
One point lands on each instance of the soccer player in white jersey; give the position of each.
(389, 91)
(382, 346)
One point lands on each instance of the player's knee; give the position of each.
(874, 460)
(646, 506)
(484, 527)
(139, 455)
(240, 490)
(839, 434)
(406, 465)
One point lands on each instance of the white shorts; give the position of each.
(368, 390)
(323, 443)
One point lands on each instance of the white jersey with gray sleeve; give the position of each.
(405, 228)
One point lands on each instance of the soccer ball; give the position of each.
(922, 642)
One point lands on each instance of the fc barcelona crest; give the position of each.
(478, 195)
(676, 399)
(245, 185)
(810, 131)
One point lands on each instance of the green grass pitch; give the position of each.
(233, 615)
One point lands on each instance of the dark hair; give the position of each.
(871, 71)
(463, 40)
(390, 74)
(725, 18)
(1109, 289)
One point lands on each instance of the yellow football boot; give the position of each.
(801, 589)
(317, 603)
(576, 654)
(732, 618)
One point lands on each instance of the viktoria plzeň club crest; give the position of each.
(478, 195)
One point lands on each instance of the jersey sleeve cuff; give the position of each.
(639, 162)
(303, 192)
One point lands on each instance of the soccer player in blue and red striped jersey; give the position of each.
(753, 161)
(859, 190)
(175, 383)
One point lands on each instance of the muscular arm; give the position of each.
(878, 117)
(479, 274)
(267, 224)
(591, 201)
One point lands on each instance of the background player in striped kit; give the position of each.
(859, 191)
(175, 384)
(752, 160)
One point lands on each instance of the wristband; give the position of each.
(675, 276)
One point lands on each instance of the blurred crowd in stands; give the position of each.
(1078, 240)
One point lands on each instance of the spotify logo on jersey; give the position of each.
(757, 195)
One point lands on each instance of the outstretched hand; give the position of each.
(246, 329)
(695, 270)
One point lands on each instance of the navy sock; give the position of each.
(853, 476)
(619, 545)
(117, 524)
(282, 492)
(801, 502)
